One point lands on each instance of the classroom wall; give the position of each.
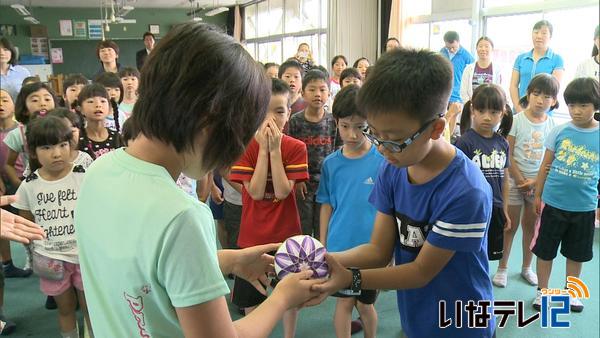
(79, 54)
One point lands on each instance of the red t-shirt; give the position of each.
(270, 220)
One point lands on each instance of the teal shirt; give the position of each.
(146, 247)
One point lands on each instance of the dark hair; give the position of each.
(543, 83)
(355, 65)
(6, 43)
(322, 69)
(596, 35)
(314, 75)
(90, 91)
(71, 80)
(50, 130)
(65, 113)
(112, 80)
(344, 104)
(392, 38)
(30, 79)
(148, 34)
(336, 58)
(129, 71)
(542, 23)
(280, 87)
(487, 97)
(21, 113)
(127, 132)
(225, 96)
(290, 64)
(583, 90)
(484, 38)
(387, 90)
(107, 44)
(270, 64)
(451, 36)
(348, 72)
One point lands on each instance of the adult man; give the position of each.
(459, 57)
(141, 55)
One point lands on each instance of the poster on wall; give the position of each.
(80, 30)
(95, 29)
(39, 46)
(56, 55)
(66, 28)
(8, 30)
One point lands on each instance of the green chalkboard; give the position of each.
(79, 56)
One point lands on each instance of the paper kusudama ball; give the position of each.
(301, 253)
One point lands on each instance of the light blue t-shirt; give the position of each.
(572, 183)
(528, 68)
(346, 185)
(12, 81)
(529, 143)
(459, 61)
(145, 248)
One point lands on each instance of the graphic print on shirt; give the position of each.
(136, 305)
(576, 160)
(492, 165)
(533, 148)
(412, 233)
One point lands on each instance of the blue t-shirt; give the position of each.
(460, 60)
(490, 155)
(452, 211)
(572, 183)
(346, 185)
(528, 68)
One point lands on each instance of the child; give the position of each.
(347, 178)
(72, 87)
(362, 64)
(272, 70)
(114, 88)
(291, 72)
(351, 76)
(338, 64)
(569, 191)
(316, 128)
(421, 194)
(96, 139)
(140, 285)
(75, 123)
(488, 149)
(130, 78)
(268, 170)
(526, 148)
(48, 197)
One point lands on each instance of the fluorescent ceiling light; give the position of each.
(216, 11)
(31, 19)
(196, 19)
(20, 9)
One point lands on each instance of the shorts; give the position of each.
(245, 294)
(309, 210)
(367, 297)
(72, 278)
(217, 209)
(516, 197)
(232, 215)
(495, 238)
(573, 231)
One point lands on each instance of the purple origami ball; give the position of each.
(301, 253)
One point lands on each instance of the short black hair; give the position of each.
(270, 64)
(322, 69)
(65, 113)
(387, 89)
(111, 80)
(583, 90)
(545, 84)
(129, 71)
(344, 104)
(148, 34)
(314, 75)
(21, 112)
(487, 96)
(392, 39)
(280, 87)
(337, 57)
(74, 79)
(348, 72)
(225, 96)
(290, 64)
(542, 23)
(451, 36)
(30, 79)
(355, 65)
(92, 90)
(6, 43)
(49, 130)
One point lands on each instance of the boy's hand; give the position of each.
(261, 136)
(296, 289)
(339, 278)
(17, 228)
(254, 265)
(302, 189)
(274, 136)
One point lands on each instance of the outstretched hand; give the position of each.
(17, 228)
(254, 265)
(339, 278)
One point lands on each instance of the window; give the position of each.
(417, 36)
(438, 29)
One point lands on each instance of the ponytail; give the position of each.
(84, 139)
(115, 109)
(506, 123)
(465, 118)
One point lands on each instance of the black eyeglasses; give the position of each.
(397, 147)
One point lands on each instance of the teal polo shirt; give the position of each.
(528, 68)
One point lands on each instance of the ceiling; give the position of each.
(135, 3)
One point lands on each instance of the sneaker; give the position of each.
(50, 303)
(356, 326)
(529, 276)
(500, 278)
(537, 302)
(576, 304)
(11, 271)
(6, 327)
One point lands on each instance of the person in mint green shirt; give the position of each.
(148, 252)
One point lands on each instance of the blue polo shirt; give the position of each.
(460, 60)
(528, 68)
(11, 82)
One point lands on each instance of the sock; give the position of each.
(71, 334)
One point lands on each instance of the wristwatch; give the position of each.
(356, 284)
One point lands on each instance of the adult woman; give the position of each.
(12, 76)
(304, 56)
(481, 71)
(591, 66)
(541, 59)
(107, 52)
(362, 64)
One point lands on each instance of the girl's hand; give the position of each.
(296, 289)
(254, 265)
(537, 202)
(17, 228)
(527, 185)
(507, 224)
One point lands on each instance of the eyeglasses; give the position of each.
(397, 147)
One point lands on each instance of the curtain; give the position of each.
(397, 23)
